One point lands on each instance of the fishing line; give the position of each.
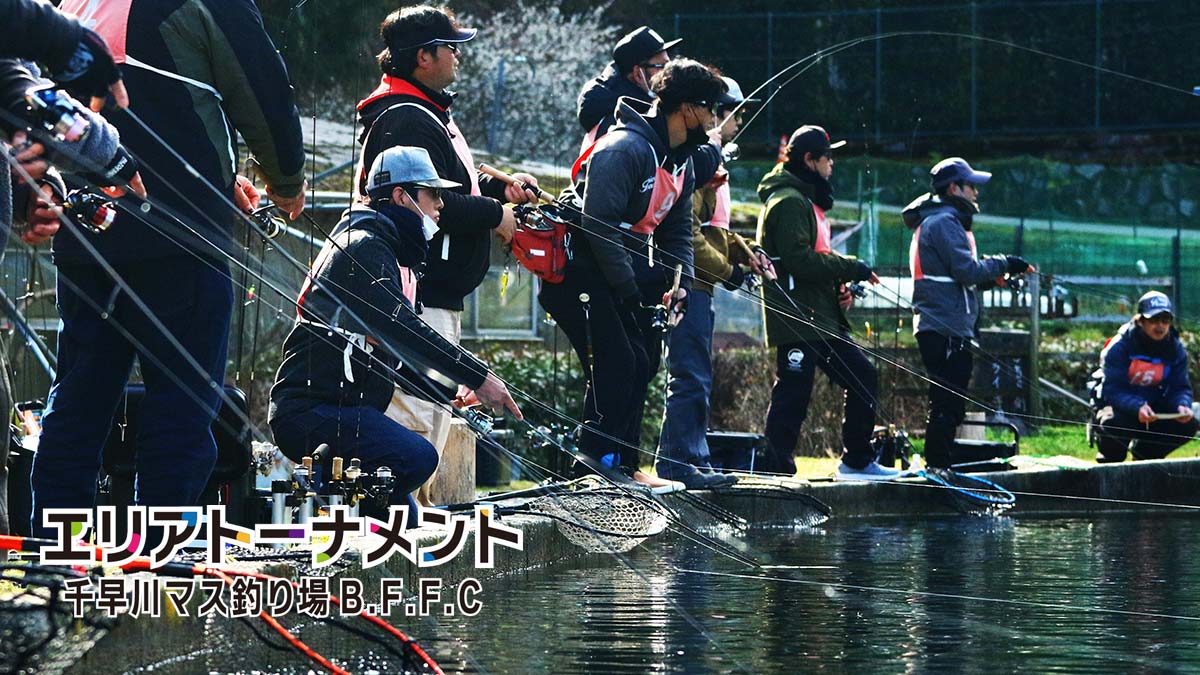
(932, 594)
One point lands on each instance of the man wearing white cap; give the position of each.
(356, 328)
(946, 270)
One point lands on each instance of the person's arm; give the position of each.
(951, 243)
(793, 224)
(1116, 391)
(711, 266)
(1179, 388)
(38, 32)
(613, 177)
(706, 159)
(256, 93)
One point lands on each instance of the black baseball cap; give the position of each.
(956, 170)
(811, 138)
(413, 27)
(1153, 304)
(638, 46)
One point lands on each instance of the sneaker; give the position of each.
(872, 471)
(708, 481)
(658, 486)
(589, 466)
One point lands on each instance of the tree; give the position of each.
(519, 79)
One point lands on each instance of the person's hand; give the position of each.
(42, 220)
(135, 183)
(516, 195)
(1016, 265)
(29, 156)
(863, 272)
(766, 267)
(293, 206)
(873, 279)
(845, 297)
(1146, 414)
(736, 278)
(1185, 414)
(508, 225)
(677, 305)
(494, 395)
(92, 72)
(245, 195)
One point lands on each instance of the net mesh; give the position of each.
(603, 521)
(38, 633)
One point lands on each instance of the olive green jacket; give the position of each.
(716, 249)
(787, 230)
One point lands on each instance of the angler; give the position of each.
(637, 57)
(636, 184)
(946, 274)
(227, 76)
(356, 312)
(1144, 396)
(794, 229)
(721, 256)
(412, 107)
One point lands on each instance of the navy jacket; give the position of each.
(361, 273)
(1138, 370)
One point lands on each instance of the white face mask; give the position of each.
(429, 226)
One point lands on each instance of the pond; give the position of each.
(1114, 594)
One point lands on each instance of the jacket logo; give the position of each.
(795, 357)
(648, 184)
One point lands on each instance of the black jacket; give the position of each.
(38, 32)
(360, 270)
(616, 183)
(467, 220)
(597, 104)
(196, 71)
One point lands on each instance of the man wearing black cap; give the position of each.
(806, 308)
(411, 107)
(636, 59)
(1144, 395)
(636, 185)
(946, 270)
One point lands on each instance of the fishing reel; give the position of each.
(480, 422)
(892, 445)
(660, 318)
(55, 112)
(730, 152)
(1016, 283)
(271, 224)
(94, 213)
(857, 289)
(753, 282)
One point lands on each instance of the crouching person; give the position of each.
(1145, 396)
(358, 332)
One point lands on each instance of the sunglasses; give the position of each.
(448, 45)
(652, 66)
(436, 193)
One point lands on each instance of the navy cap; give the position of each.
(956, 170)
(420, 27)
(638, 46)
(811, 138)
(1153, 304)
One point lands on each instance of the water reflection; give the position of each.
(899, 596)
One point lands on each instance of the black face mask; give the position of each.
(696, 136)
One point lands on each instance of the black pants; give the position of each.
(795, 366)
(1118, 433)
(948, 362)
(613, 353)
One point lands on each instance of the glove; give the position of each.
(1016, 265)
(736, 279)
(862, 271)
(91, 69)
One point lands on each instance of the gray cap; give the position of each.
(735, 91)
(405, 165)
(1153, 304)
